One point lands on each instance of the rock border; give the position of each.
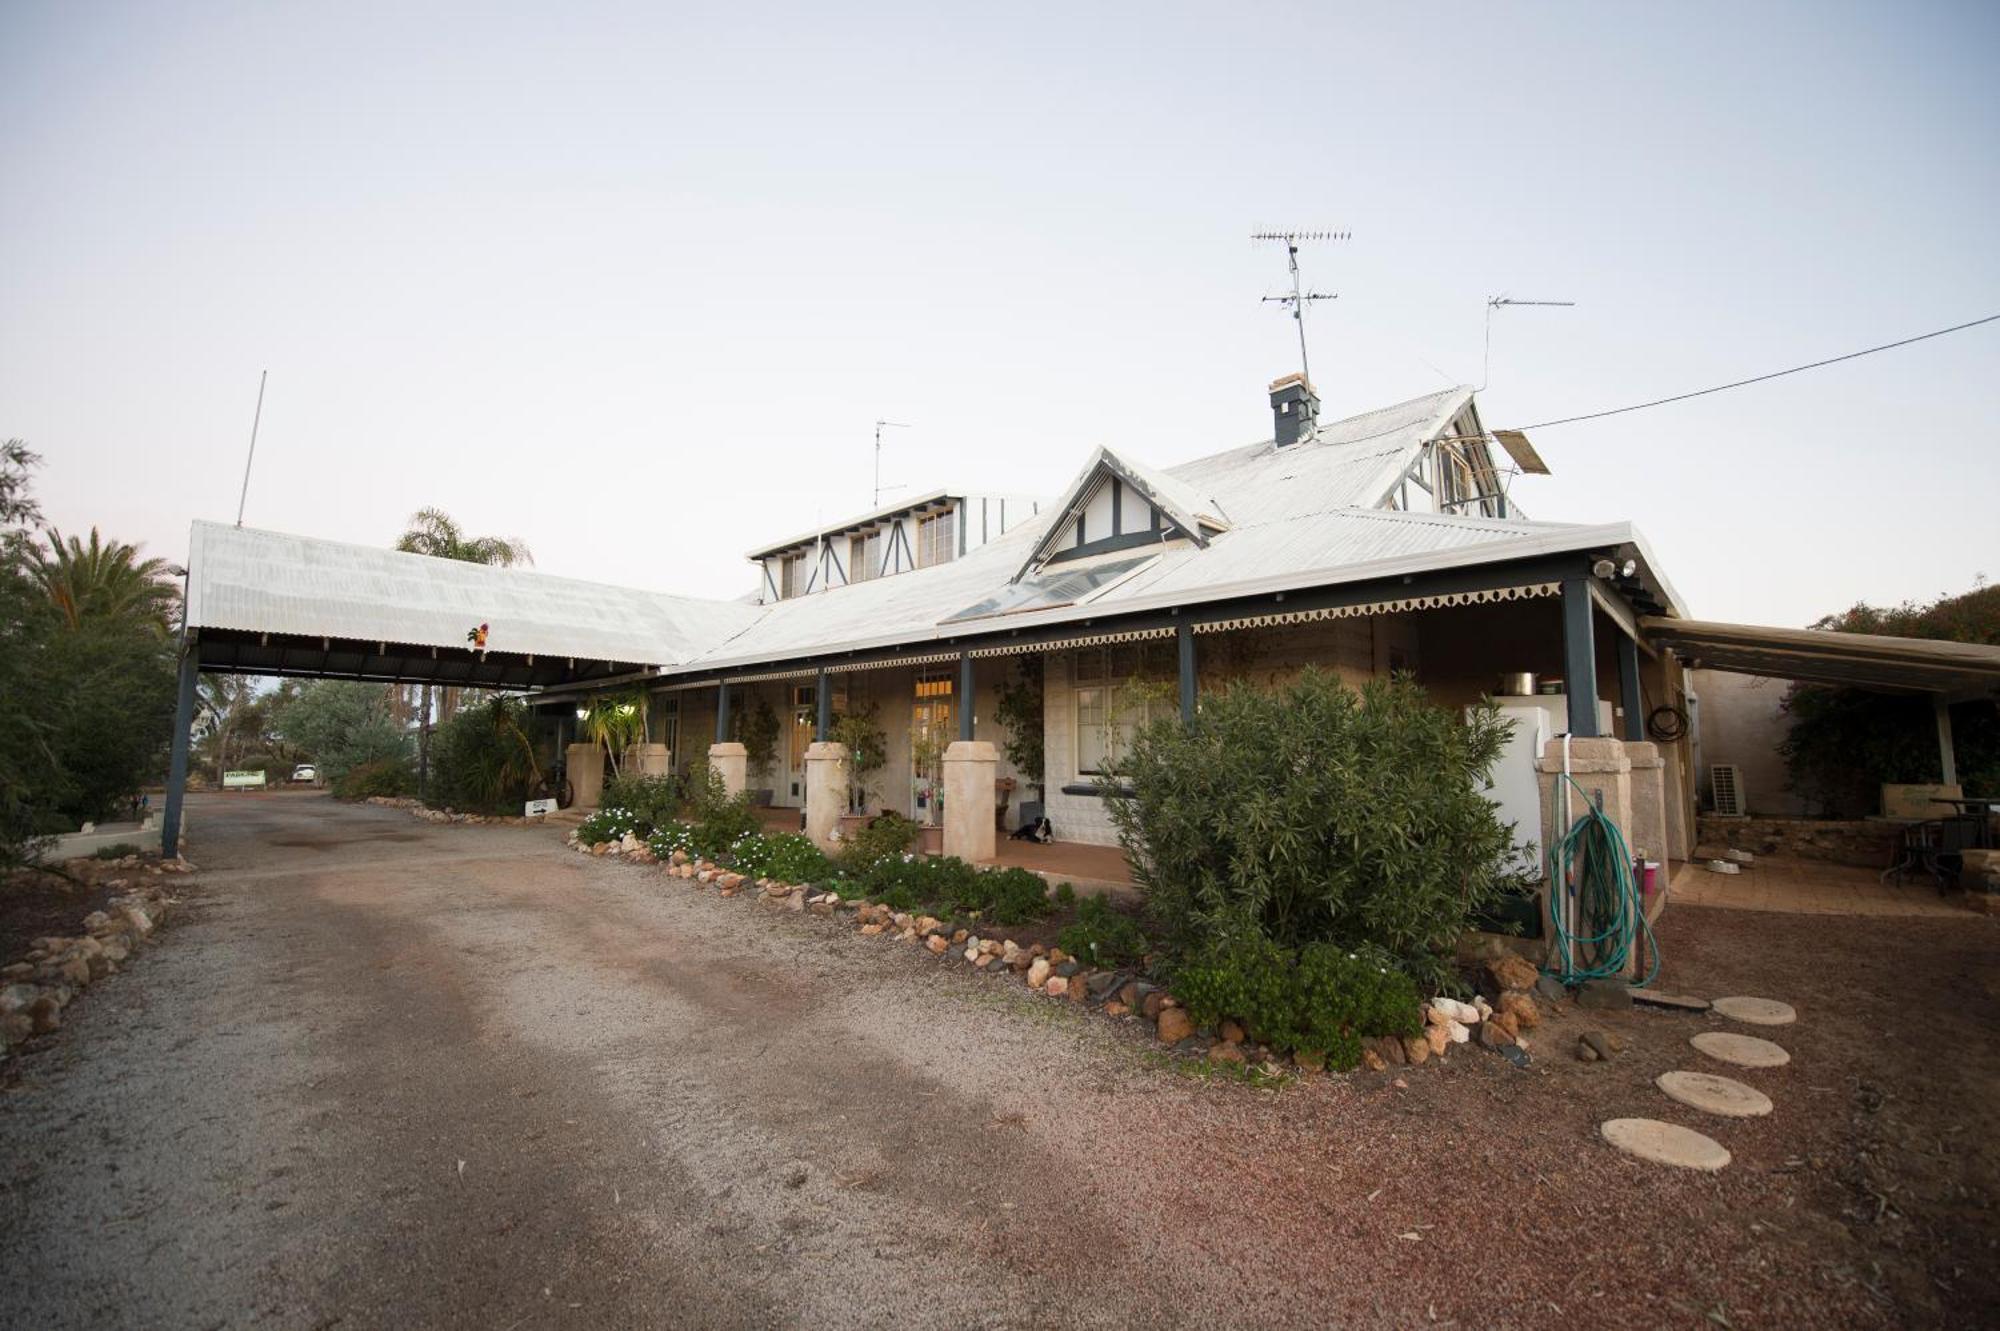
(36, 987)
(1122, 993)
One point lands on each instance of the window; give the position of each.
(1119, 689)
(663, 722)
(932, 729)
(791, 576)
(864, 554)
(937, 538)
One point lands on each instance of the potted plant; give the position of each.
(757, 732)
(1018, 709)
(867, 751)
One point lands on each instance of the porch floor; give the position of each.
(1807, 887)
(1087, 868)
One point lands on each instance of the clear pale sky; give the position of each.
(632, 282)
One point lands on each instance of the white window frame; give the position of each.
(937, 538)
(1110, 701)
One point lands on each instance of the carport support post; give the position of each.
(1628, 687)
(823, 701)
(1947, 759)
(1579, 657)
(1184, 639)
(722, 711)
(177, 765)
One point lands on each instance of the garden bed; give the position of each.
(1032, 950)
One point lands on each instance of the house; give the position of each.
(1388, 541)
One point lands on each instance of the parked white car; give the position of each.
(305, 773)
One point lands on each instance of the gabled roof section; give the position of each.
(1351, 463)
(1178, 502)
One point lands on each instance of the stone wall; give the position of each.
(1866, 842)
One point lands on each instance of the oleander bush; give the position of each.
(1315, 814)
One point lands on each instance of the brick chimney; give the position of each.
(1294, 409)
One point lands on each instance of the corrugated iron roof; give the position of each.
(270, 582)
(1302, 516)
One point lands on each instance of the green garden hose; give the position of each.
(1593, 861)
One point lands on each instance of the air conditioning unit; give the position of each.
(1725, 783)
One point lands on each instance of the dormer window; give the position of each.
(937, 539)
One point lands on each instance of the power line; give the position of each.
(1775, 374)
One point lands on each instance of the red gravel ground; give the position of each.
(1865, 1199)
(376, 1072)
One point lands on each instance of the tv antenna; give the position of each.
(1300, 298)
(255, 421)
(1501, 302)
(879, 427)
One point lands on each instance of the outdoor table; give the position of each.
(1974, 816)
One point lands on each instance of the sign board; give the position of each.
(540, 806)
(242, 780)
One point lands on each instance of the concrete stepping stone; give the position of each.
(1745, 1051)
(1665, 1143)
(1714, 1095)
(1757, 1011)
(1677, 1002)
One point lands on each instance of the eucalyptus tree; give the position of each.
(434, 532)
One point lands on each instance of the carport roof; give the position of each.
(1821, 656)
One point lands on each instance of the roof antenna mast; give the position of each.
(1300, 297)
(255, 421)
(1499, 303)
(879, 427)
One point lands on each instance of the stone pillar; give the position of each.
(1601, 768)
(1648, 831)
(585, 765)
(826, 792)
(648, 760)
(970, 766)
(731, 762)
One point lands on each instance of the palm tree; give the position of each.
(104, 579)
(433, 532)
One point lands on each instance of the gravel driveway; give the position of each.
(378, 1072)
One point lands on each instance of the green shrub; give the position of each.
(607, 825)
(722, 826)
(1316, 814)
(1102, 934)
(888, 835)
(947, 886)
(788, 857)
(482, 760)
(1318, 998)
(670, 837)
(390, 777)
(654, 800)
(117, 852)
(1004, 896)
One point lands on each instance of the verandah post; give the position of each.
(177, 764)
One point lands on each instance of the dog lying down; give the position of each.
(1039, 830)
